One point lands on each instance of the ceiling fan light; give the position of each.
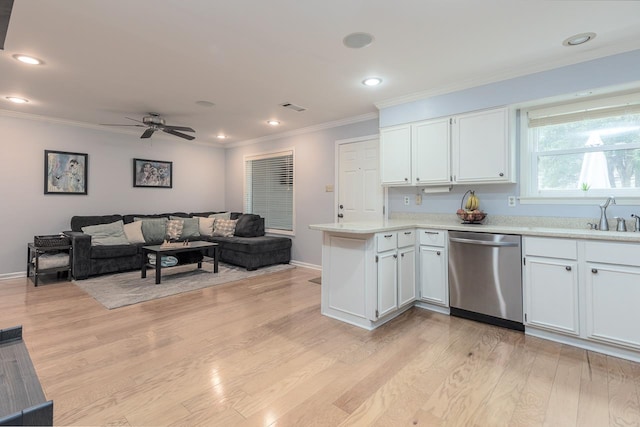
(28, 59)
(17, 100)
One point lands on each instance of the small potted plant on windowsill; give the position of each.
(585, 188)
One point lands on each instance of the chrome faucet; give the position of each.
(604, 223)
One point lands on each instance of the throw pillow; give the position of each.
(106, 234)
(221, 215)
(249, 225)
(205, 226)
(133, 232)
(153, 229)
(224, 227)
(174, 228)
(190, 227)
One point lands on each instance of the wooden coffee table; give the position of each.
(206, 248)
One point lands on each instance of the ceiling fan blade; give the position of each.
(182, 128)
(181, 135)
(5, 14)
(114, 124)
(139, 121)
(147, 133)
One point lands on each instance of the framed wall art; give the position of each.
(152, 173)
(65, 173)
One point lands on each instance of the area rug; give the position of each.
(119, 290)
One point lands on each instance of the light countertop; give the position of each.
(545, 227)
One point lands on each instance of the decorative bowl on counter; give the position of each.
(474, 217)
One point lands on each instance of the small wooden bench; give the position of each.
(22, 401)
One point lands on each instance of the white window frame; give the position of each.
(266, 155)
(528, 182)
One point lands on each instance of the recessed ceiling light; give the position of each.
(579, 39)
(221, 136)
(17, 100)
(357, 40)
(273, 122)
(372, 81)
(28, 59)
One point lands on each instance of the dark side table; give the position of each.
(33, 261)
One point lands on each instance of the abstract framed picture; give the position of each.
(152, 173)
(65, 173)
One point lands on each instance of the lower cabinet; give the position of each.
(551, 294)
(396, 270)
(406, 276)
(434, 283)
(387, 283)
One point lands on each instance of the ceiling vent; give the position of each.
(293, 107)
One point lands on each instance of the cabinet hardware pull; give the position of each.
(402, 255)
(417, 179)
(395, 255)
(386, 236)
(431, 232)
(437, 252)
(341, 207)
(568, 268)
(501, 174)
(340, 215)
(406, 233)
(594, 270)
(406, 179)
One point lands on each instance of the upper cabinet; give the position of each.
(468, 148)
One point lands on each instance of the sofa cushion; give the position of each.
(224, 227)
(249, 225)
(132, 217)
(114, 251)
(174, 228)
(205, 226)
(221, 215)
(253, 245)
(190, 227)
(106, 234)
(133, 232)
(153, 229)
(77, 222)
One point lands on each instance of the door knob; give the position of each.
(341, 207)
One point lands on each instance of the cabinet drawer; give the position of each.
(406, 238)
(386, 241)
(432, 237)
(613, 253)
(551, 248)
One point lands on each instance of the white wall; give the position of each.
(609, 71)
(198, 180)
(314, 169)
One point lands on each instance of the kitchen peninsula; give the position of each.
(579, 285)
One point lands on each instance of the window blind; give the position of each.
(585, 110)
(269, 189)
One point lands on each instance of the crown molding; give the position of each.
(308, 129)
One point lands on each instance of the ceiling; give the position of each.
(110, 59)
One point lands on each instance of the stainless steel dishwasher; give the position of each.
(485, 277)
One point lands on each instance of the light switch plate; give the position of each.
(328, 188)
(418, 199)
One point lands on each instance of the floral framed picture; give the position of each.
(65, 173)
(152, 173)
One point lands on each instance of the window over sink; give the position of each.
(576, 150)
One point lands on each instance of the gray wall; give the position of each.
(314, 169)
(609, 71)
(198, 180)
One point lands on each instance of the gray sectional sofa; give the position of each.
(248, 247)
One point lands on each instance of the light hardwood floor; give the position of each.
(259, 353)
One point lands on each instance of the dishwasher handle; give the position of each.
(483, 242)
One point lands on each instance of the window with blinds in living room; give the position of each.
(268, 189)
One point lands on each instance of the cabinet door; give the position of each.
(612, 294)
(387, 283)
(406, 276)
(395, 155)
(551, 294)
(431, 152)
(481, 147)
(434, 287)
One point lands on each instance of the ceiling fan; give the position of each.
(154, 122)
(5, 14)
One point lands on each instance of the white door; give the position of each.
(360, 195)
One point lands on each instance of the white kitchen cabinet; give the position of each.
(612, 290)
(387, 283)
(434, 283)
(395, 155)
(483, 148)
(551, 284)
(396, 270)
(406, 274)
(470, 148)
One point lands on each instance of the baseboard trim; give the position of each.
(7, 276)
(306, 265)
